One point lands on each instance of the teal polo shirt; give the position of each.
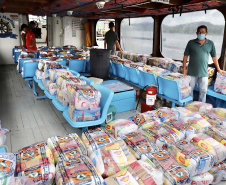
(199, 57)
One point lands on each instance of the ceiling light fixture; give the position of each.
(69, 12)
(100, 4)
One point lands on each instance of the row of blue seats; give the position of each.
(106, 96)
(16, 54)
(167, 89)
(80, 66)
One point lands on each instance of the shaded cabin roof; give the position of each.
(112, 8)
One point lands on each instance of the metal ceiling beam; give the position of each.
(35, 1)
(22, 5)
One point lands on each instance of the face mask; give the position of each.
(201, 36)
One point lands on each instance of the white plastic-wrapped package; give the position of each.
(7, 168)
(200, 106)
(174, 66)
(163, 62)
(39, 74)
(86, 97)
(121, 127)
(67, 147)
(195, 159)
(53, 89)
(71, 81)
(163, 136)
(185, 92)
(143, 58)
(174, 174)
(182, 111)
(77, 172)
(220, 111)
(166, 114)
(219, 172)
(218, 133)
(169, 138)
(94, 139)
(23, 181)
(214, 118)
(82, 115)
(199, 124)
(182, 80)
(55, 73)
(138, 66)
(112, 158)
(138, 144)
(153, 61)
(202, 179)
(207, 143)
(140, 172)
(156, 70)
(220, 84)
(36, 162)
(183, 128)
(146, 119)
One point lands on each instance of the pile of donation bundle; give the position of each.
(177, 146)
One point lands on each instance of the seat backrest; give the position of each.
(114, 68)
(88, 81)
(147, 79)
(169, 88)
(29, 69)
(120, 71)
(133, 73)
(106, 98)
(77, 65)
(62, 62)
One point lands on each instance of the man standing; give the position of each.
(199, 50)
(111, 39)
(30, 37)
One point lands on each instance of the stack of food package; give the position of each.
(84, 103)
(46, 54)
(166, 146)
(183, 82)
(163, 62)
(65, 83)
(155, 70)
(47, 69)
(36, 162)
(220, 84)
(42, 65)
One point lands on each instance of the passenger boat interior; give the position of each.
(114, 104)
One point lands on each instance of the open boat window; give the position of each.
(137, 35)
(101, 28)
(178, 30)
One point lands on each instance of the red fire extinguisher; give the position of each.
(151, 92)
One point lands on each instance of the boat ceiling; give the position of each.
(112, 8)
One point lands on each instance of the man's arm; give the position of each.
(24, 40)
(118, 46)
(105, 44)
(185, 59)
(215, 60)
